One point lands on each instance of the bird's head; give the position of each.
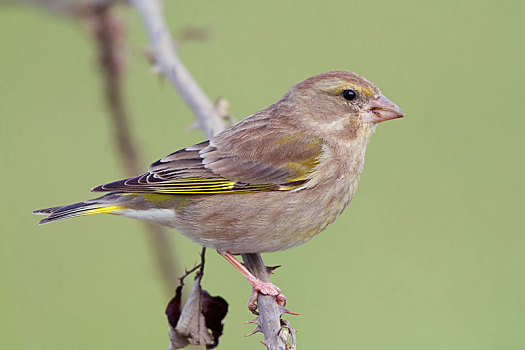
(340, 100)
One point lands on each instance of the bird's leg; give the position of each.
(258, 286)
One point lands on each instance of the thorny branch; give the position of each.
(211, 123)
(269, 320)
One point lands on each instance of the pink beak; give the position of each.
(382, 109)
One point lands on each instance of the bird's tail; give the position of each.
(91, 207)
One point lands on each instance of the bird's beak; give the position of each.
(381, 109)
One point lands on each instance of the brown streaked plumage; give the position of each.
(269, 182)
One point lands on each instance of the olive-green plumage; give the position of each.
(269, 182)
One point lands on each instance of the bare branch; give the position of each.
(108, 32)
(172, 68)
(67, 7)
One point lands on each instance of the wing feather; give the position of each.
(251, 156)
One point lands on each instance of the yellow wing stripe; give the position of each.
(203, 186)
(218, 190)
(102, 210)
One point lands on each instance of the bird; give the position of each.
(267, 183)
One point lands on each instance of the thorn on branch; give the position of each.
(271, 269)
(284, 310)
(256, 330)
(255, 321)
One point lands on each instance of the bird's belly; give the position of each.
(160, 216)
(260, 222)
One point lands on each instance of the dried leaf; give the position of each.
(173, 308)
(200, 313)
(191, 322)
(214, 310)
(177, 340)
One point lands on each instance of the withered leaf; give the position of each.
(177, 340)
(191, 322)
(173, 308)
(201, 314)
(214, 310)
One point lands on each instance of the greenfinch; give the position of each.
(269, 182)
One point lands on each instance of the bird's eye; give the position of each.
(349, 95)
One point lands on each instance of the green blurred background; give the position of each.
(430, 254)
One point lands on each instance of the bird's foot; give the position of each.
(265, 288)
(258, 286)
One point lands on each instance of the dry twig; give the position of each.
(108, 32)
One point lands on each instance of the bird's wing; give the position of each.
(247, 157)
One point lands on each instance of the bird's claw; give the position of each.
(265, 288)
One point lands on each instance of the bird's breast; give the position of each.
(330, 190)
